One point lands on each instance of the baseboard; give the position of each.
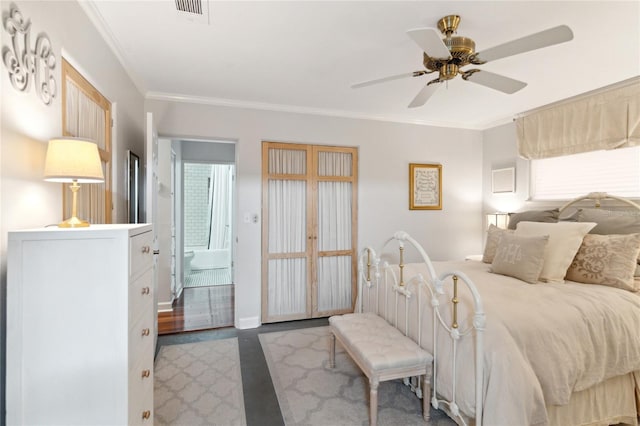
(251, 322)
(165, 307)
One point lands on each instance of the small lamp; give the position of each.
(73, 160)
(501, 220)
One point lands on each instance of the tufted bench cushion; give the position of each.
(380, 345)
(382, 352)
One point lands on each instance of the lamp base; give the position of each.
(73, 222)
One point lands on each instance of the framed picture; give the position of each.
(503, 180)
(425, 186)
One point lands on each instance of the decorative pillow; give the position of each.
(565, 239)
(608, 260)
(569, 215)
(550, 216)
(520, 257)
(611, 221)
(494, 235)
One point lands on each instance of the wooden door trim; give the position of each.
(312, 250)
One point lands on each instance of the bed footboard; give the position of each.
(380, 278)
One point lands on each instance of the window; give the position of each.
(615, 171)
(87, 114)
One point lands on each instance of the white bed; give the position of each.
(552, 353)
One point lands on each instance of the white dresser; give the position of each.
(80, 326)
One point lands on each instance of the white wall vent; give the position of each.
(193, 10)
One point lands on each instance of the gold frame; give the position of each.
(415, 202)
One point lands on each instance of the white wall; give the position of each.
(27, 201)
(385, 151)
(500, 150)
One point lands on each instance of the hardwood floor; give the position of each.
(199, 308)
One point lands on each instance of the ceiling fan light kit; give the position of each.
(448, 55)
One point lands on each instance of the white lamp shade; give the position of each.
(71, 159)
(501, 220)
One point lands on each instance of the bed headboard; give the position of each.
(598, 197)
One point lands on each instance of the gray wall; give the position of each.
(385, 151)
(209, 151)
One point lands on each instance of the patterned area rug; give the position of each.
(199, 384)
(311, 393)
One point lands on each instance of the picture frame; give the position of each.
(425, 186)
(503, 181)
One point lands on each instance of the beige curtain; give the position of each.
(606, 120)
(85, 118)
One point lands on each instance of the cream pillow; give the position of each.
(520, 257)
(494, 234)
(607, 260)
(565, 239)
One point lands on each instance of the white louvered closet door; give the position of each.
(309, 231)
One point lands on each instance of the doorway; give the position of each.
(203, 202)
(207, 206)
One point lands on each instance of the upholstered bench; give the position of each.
(382, 352)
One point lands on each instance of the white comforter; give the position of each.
(542, 342)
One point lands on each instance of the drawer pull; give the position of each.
(146, 373)
(146, 249)
(146, 290)
(145, 331)
(146, 414)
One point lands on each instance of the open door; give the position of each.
(159, 208)
(151, 202)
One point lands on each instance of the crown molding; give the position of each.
(94, 15)
(232, 103)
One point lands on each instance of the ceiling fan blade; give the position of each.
(430, 42)
(423, 95)
(497, 81)
(555, 35)
(382, 80)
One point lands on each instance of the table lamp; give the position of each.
(74, 160)
(501, 220)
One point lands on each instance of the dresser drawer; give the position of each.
(141, 408)
(140, 253)
(140, 298)
(141, 391)
(141, 337)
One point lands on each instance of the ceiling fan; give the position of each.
(447, 56)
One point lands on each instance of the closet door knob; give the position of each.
(146, 414)
(146, 249)
(146, 373)
(146, 290)
(145, 331)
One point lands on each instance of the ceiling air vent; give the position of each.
(193, 10)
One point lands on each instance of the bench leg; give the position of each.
(426, 395)
(426, 392)
(373, 401)
(332, 351)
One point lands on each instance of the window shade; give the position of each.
(563, 178)
(606, 120)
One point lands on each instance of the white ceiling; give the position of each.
(304, 55)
